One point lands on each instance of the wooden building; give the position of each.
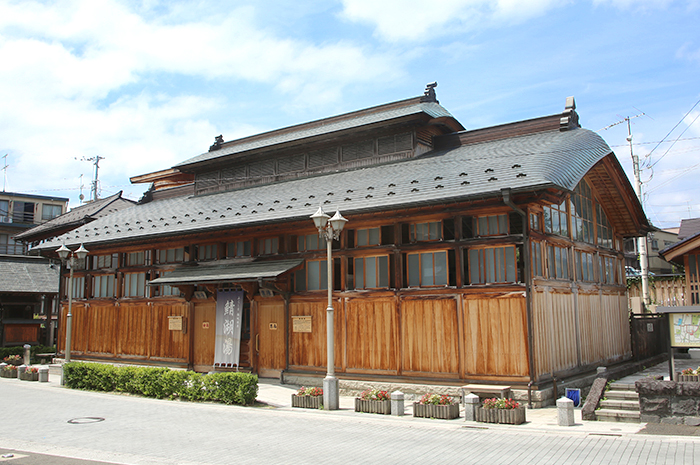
(489, 255)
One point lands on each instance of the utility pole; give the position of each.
(641, 241)
(4, 168)
(94, 188)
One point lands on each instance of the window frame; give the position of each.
(420, 255)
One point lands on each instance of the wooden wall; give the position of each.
(596, 322)
(130, 331)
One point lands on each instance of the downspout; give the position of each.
(506, 193)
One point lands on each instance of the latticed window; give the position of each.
(268, 246)
(555, 219)
(238, 249)
(536, 258)
(493, 265)
(368, 272)
(491, 225)
(134, 284)
(367, 237)
(605, 231)
(427, 269)
(171, 255)
(584, 266)
(103, 286)
(582, 213)
(608, 269)
(558, 262)
(425, 231)
(310, 242)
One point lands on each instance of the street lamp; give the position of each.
(64, 252)
(329, 229)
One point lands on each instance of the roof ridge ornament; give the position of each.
(218, 142)
(429, 94)
(569, 117)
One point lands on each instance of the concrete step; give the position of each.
(621, 395)
(631, 405)
(614, 415)
(622, 387)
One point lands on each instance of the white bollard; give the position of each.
(471, 403)
(397, 406)
(44, 374)
(565, 411)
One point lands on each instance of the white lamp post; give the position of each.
(329, 228)
(64, 252)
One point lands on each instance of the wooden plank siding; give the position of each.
(308, 350)
(371, 328)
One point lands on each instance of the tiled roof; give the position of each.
(227, 271)
(33, 275)
(322, 127)
(76, 216)
(547, 159)
(689, 227)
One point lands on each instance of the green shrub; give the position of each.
(19, 350)
(162, 383)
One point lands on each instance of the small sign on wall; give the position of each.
(205, 325)
(273, 326)
(175, 323)
(301, 324)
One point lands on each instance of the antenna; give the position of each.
(81, 196)
(4, 168)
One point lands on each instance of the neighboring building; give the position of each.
(76, 217)
(19, 212)
(657, 240)
(491, 255)
(686, 253)
(28, 298)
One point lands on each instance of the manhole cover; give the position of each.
(81, 420)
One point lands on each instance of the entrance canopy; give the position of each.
(228, 272)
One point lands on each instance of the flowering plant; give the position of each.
(688, 371)
(436, 399)
(374, 394)
(32, 370)
(505, 404)
(10, 368)
(13, 360)
(313, 392)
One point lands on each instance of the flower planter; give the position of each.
(687, 378)
(29, 376)
(307, 401)
(8, 373)
(373, 406)
(443, 412)
(513, 416)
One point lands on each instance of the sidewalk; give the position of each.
(278, 396)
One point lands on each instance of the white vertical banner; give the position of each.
(229, 313)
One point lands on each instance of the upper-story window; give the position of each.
(238, 249)
(103, 286)
(555, 219)
(493, 265)
(50, 211)
(605, 231)
(558, 262)
(134, 284)
(176, 255)
(22, 212)
(309, 242)
(608, 270)
(582, 213)
(136, 258)
(367, 237)
(100, 262)
(427, 269)
(584, 266)
(207, 252)
(165, 289)
(491, 225)
(368, 272)
(4, 210)
(535, 223)
(425, 231)
(268, 246)
(78, 291)
(536, 258)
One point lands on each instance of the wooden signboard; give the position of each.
(301, 324)
(175, 323)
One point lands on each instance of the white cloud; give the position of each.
(397, 20)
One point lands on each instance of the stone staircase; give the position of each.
(621, 404)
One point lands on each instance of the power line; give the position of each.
(669, 133)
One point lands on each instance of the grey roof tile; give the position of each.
(545, 159)
(33, 275)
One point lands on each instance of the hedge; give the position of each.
(19, 350)
(163, 383)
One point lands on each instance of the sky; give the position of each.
(147, 84)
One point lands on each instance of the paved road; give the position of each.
(37, 418)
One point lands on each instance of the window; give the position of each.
(536, 258)
(310, 242)
(558, 258)
(654, 244)
(555, 219)
(366, 237)
(238, 249)
(608, 270)
(78, 291)
(165, 289)
(171, 255)
(605, 233)
(425, 231)
(9, 246)
(535, 223)
(368, 272)
(584, 266)
(582, 213)
(134, 284)
(427, 269)
(268, 246)
(4, 208)
(492, 265)
(100, 262)
(491, 225)
(103, 285)
(50, 211)
(314, 276)
(207, 252)
(22, 212)
(136, 258)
